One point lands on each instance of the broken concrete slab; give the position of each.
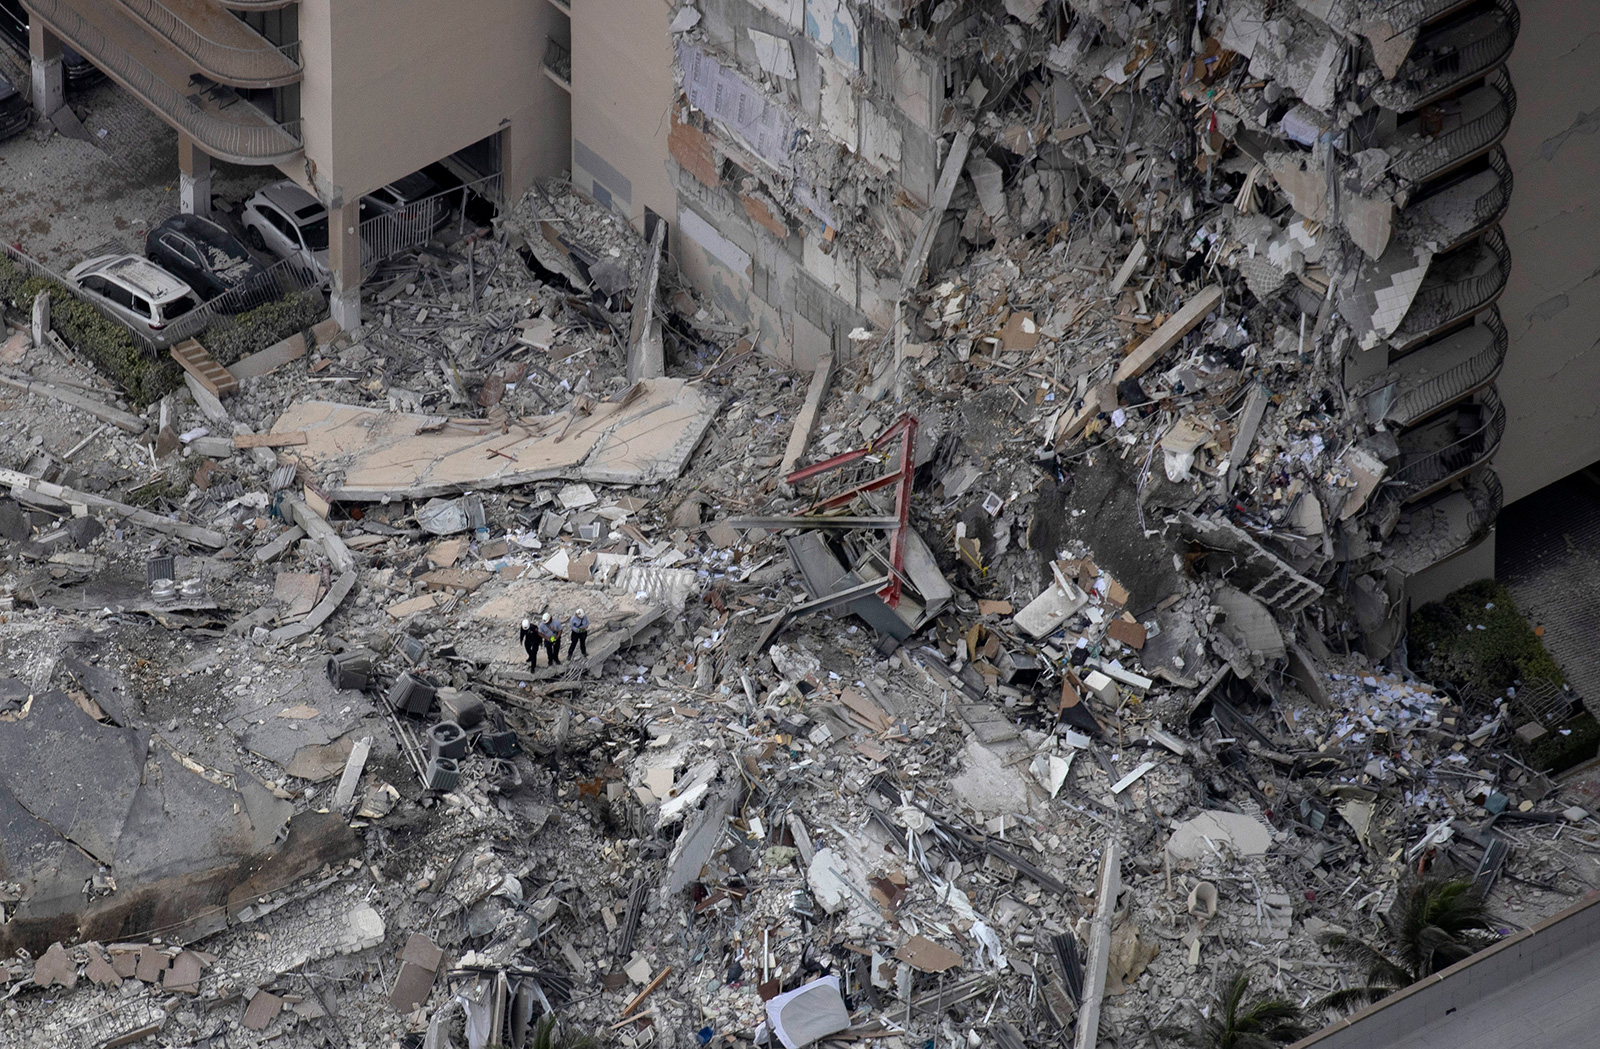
(56, 967)
(263, 1009)
(642, 439)
(1244, 835)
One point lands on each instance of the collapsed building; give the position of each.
(1035, 658)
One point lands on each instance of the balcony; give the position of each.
(256, 5)
(1459, 284)
(222, 123)
(558, 64)
(1445, 136)
(1448, 446)
(1451, 54)
(1458, 209)
(221, 46)
(1437, 376)
(1406, 15)
(1427, 532)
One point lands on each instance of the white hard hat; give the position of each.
(526, 624)
(580, 611)
(547, 617)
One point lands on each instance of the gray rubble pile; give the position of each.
(1045, 642)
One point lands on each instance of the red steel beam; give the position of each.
(905, 428)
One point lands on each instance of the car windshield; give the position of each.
(316, 234)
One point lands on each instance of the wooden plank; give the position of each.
(272, 358)
(207, 372)
(1135, 256)
(806, 421)
(1094, 402)
(1165, 337)
(269, 440)
(100, 410)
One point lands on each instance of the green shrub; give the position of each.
(1447, 643)
(109, 346)
(231, 338)
(147, 376)
(1557, 753)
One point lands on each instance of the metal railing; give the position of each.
(1406, 15)
(266, 66)
(413, 225)
(241, 143)
(1459, 382)
(282, 278)
(1421, 82)
(558, 61)
(1426, 472)
(1460, 145)
(1453, 220)
(256, 5)
(1417, 549)
(1441, 304)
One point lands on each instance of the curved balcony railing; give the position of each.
(1456, 210)
(1406, 15)
(1462, 284)
(1424, 470)
(1445, 525)
(241, 143)
(263, 64)
(1473, 138)
(256, 5)
(1454, 382)
(1437, 67)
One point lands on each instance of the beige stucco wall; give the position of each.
(1551, 305)
(392, 85)
(622, 88)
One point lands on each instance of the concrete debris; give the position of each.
(1011, 553)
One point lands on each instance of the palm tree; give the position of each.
(1439, 922)
(1241, 1022)
(552, 1034)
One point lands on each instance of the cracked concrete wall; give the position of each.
(1551, 303)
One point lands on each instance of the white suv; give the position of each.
(292, 224)
(139, 293)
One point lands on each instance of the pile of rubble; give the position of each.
(998, 682)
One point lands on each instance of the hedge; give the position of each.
(109, 345)
(147, 377)
(230, 338)
(1463, 640)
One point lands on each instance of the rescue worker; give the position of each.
(579, 625)
(530, 643)
(550, 634)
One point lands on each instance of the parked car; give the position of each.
(138, 292)
(14, 110)
(290, 223)
(415, 198)
(211, 261)
(77, 71)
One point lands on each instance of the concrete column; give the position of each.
(194, 178)
(49, 77)
(344, 262)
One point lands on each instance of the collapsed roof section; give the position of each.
(643, 436)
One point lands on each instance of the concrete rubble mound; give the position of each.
(1033, 660)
